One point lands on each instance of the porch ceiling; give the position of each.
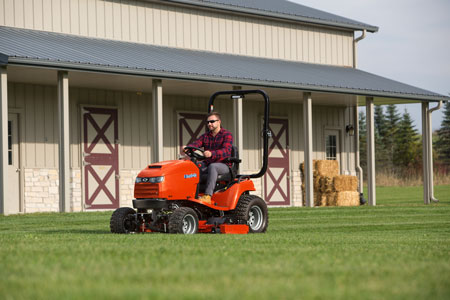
(198, 72)
(130, 83)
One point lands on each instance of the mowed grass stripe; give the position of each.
(393, 251)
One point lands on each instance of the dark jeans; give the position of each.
(214, 170)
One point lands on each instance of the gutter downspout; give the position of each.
(430, 152)
(356, 116)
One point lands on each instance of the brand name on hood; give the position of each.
(193, 175)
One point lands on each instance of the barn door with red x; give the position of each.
(190, 127)
(100, 158)
(277, 187)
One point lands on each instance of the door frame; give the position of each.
(21, 133)
(289, 177)
(340, 148)
(80, 146)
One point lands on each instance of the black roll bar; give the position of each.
(265, 133)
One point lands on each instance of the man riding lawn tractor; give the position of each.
(217, 144)
(202, 192)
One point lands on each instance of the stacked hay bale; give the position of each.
(330, 188)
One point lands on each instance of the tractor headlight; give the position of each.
(150, 179)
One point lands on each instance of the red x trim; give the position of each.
(100, 134)
(280, 185)
(276, 142)
(101, 185)
(109, 159)
(276, 184)
(193, 135)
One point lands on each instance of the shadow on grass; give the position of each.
(77, 231)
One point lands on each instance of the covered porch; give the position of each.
(156, 74)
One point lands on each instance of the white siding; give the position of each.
(39, 107)
(136, 128)
(145, 22)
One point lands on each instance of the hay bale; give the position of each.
(326, 184)
(331, 199)
(317, 199)
(347, 198)
(320, 199)
(344, 183)
(329, 168)
(302, 167)
(316, 183)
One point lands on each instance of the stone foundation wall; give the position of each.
(41, 190)
(296, 188)
(42, 195)
(127, 179)
(76, 200)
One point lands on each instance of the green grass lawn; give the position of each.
(399, 250)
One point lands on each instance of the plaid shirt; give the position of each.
(219, 145)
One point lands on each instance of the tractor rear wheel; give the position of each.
(252, 210)
(183, 220)
(123, 220)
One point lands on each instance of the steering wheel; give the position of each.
(190, 151)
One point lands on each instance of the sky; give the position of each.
(412, 45)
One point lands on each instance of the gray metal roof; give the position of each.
(70, 52)
(281, 9)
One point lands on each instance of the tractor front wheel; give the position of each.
(252, 210)
(183, 220)
(123, 220)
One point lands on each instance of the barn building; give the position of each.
(94, 90)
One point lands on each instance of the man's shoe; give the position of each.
(205, 199)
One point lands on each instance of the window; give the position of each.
(331, 147)
(10, 154)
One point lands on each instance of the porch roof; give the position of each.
(70, 52)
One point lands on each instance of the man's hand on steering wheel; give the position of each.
(190, 151)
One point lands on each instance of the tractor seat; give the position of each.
(233, 170)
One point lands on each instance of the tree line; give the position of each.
(398, 144)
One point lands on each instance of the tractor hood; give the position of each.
(170, 167)
(172, 180)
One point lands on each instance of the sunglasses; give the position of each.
(211, 121)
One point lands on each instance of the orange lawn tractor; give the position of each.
(167, 193)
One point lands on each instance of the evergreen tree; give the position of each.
(380, 121)
(381, 158)
(407, 154)
(443, 141)
(390, 139)
(362, 141)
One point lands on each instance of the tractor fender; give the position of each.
(229, 198)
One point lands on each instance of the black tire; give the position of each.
(252, 210)
(183, 220)
(122, 220)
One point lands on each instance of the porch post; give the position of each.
(358, 168)
(3, 138)
(370, 152)
(308, 172)
(425, 153)
(430, 157)
(238, 123)
(64, 142)
(158, 147)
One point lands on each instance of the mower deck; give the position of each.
(203, 227)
